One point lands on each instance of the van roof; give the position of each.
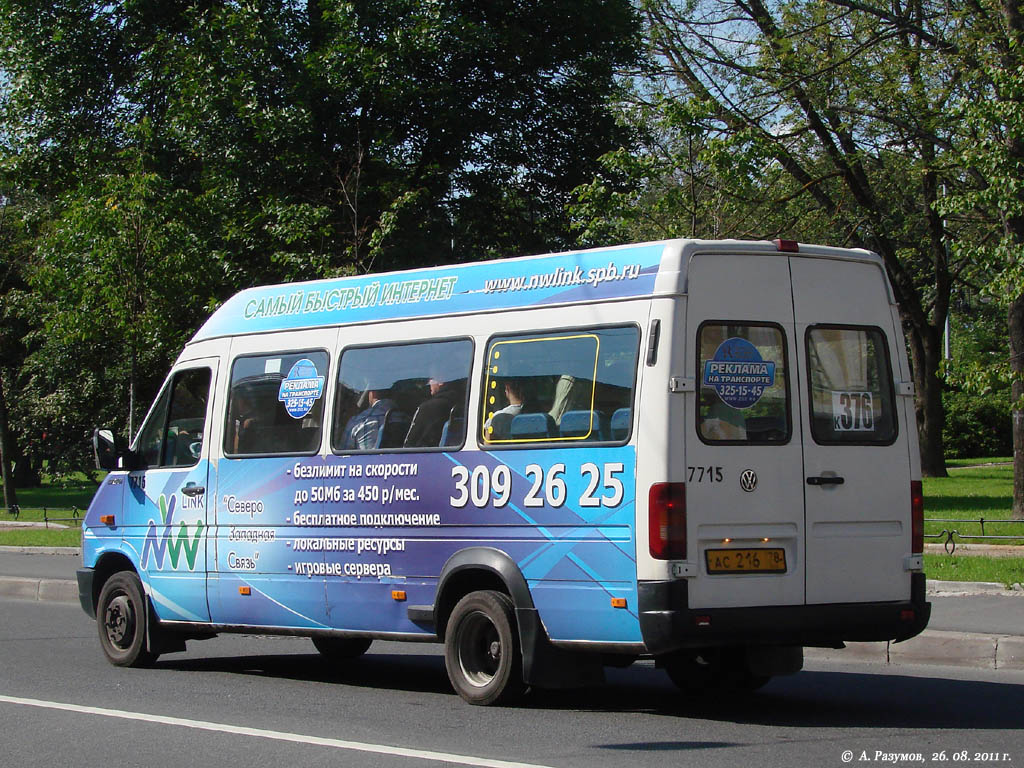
(600, 274)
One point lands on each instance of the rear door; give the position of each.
(744, 474)
(857, 454)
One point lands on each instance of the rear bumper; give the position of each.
(669, 624)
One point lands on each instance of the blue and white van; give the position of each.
(700, 452)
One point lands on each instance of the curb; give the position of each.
(41, 550)
(49, 590)
(964, 588)
(934, 647)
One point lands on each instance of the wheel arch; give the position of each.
(476, 568)
(106, 566)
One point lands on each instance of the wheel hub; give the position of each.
(119, 621)
(480, 649)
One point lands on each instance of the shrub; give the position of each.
(977, 425)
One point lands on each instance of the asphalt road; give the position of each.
(257, 702)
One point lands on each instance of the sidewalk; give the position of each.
(973, 624)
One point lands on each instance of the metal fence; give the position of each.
(64, 514)
(951, 535)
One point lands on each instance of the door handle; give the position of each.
(826, 480)
(198, 490)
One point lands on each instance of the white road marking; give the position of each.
(297, 738)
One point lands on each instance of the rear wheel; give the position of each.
(342, 647)
(121, 618)
(481, 649)
(712, 669)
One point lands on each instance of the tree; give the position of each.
(189, 149)
(8, 276)
(14, 246)
(820, 117)
(977, 397)
(125, 277)
(990, 52)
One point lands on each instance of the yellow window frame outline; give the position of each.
(492, 368)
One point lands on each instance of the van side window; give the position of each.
(276, 404)
(744, 384)
(173, 434)
(851, 386)
(565, 387)
(402, 396)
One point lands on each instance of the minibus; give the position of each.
(701, 453)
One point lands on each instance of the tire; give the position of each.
(481, 649)
(342, 647)
(711, 670)
(697, 671)
(122, 618)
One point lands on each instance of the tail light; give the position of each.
(666, 509)
(916, 518)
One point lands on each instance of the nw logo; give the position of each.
(159, 543)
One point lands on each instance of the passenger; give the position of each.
(570, 394)
(362, 430)
(428, 421)
(515, 393)
(244, 422)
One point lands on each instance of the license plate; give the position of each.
(745, 560)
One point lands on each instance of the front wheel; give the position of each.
(481, 649)
(121, 618)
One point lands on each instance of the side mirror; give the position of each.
(110, 451)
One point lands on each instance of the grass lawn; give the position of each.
(41, 537)
(1001, 570)
(50, 500)
(971, 492)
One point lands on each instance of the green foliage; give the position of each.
(977, 401)
(977, 424)
(182, 151)
(816, 120)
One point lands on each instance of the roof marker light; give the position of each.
(787, 246)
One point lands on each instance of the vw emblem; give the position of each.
(748, 480)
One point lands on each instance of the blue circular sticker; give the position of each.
(301, 388)
(738, 374)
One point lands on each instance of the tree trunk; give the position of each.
(1015, 319)
(10, 494)
(926, 355)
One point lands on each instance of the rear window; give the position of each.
(851, 386)
(744, 384)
